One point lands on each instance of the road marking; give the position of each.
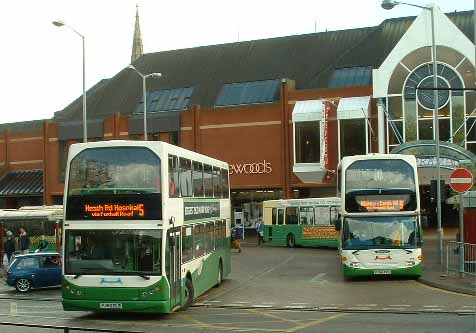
(295, 307)
(433, 306)
(13, 308)
(250, 280)
(261, 306)
(316, 322)
(366, 304)
(318, 278)
(270, 315)
(328, 308)
(400, 305)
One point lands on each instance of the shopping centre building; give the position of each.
(280, 111)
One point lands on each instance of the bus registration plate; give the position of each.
(110, 305)
(382, 272)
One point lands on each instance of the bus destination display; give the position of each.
(114, 210)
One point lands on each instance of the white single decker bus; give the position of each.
(146, 226)
(380, 215)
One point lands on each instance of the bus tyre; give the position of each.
(291, 241)
(220, 274)
(188, 293)
(23, 285)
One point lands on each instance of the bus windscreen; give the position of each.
(114, 183)
(380, 185)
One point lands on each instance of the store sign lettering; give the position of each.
(115, 210)
(251, 168)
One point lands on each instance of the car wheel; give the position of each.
(23, 285)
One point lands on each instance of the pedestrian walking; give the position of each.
(9, 246)
(23, 242)
(235, 239)
(260, 231)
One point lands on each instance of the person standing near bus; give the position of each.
(23, 242)
(42, 244)
(9, 246)
(260, 231)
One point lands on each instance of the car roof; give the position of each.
(39, 254)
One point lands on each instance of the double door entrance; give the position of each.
(173, 267)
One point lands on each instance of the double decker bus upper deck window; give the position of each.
(380, 185)
(114, 183)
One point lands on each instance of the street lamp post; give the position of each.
(144, 93)
(85, 126)
(389, 4)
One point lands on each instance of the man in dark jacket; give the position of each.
(9, 246)
(23, 242)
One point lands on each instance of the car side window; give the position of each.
(28, 263)
(50, 261)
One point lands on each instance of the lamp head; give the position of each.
(156, 74)
(131, 67)
(389, 4)
(58, 23)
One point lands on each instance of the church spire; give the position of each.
(137, 50)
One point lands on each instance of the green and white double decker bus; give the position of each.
(304, 222)
(380, 215)
(146, 226)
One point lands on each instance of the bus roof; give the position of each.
(330, 201)
(347, 160)
(159, 145)
(51, 213)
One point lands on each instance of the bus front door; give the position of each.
(173, 267)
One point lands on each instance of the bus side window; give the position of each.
(306, 215)
(173, 177)
(224, 183)
(217, 192)
(274, 216)
(208, 180)
(292, 215)
(280, 216)
(197, 179)
(185, 177)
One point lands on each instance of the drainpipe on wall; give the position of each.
(46, 200)
(381, 125)
(285, 141)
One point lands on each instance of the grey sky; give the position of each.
(42, 64)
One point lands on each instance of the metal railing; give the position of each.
(66, 329)
(461, 257)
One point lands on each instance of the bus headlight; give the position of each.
(354, 264)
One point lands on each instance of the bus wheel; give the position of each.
(188, 293)
(23, 285)
(291, 242)
(220, 274)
